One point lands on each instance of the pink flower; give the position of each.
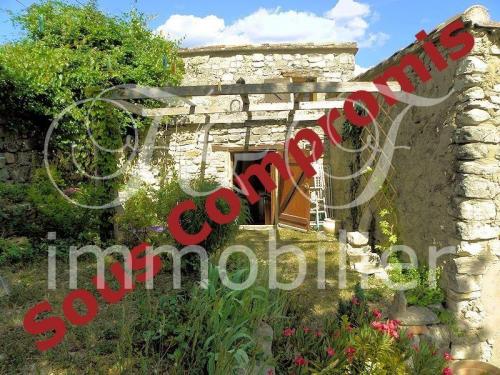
(355, 300)
(330, 351)
(318, 334)
(287, 332)
(447, 371)
(350, 352)
(447, 357)
(300, 361)
(377, 314)
(270, 372)
(307, 330)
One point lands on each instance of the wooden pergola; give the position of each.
(293, 110)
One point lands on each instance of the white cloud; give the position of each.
(347, 21)
(359, 70)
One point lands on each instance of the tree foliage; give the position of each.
(68, 49)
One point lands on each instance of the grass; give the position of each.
(106, 345)
(308, 301)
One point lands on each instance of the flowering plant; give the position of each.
(357, 342)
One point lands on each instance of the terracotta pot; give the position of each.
(474, 368)
(331, 226)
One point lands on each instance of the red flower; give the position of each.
(350, 352)
(307, 330)
(270, 372)
(330, 351)
(300, 361)
(447, 371)
(377, 314)
(288, 332)
(355, 300)
(349, 327)
(447, 357)
(390, 328)
(410, 335)
(318, 334)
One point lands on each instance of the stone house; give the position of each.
(228, 143)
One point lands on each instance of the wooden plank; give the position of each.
(260, 107)
(250, 117)
(239, 89)
(260, 147)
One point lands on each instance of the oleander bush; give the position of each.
(356, 341)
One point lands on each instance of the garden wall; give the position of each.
(445, 189)
(19, 154)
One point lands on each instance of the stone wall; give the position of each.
(19, 156)
(184, 141)
(445, 189)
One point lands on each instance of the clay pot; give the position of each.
(331, 226)
(474, 368)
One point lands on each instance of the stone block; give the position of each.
(474, 209)
(477, 231)
(480, 167)
(464, 283)
(473, 116)
(481, 133)
(472, 151)
(454, 296)
(24, 158)
(474, 93)
(439, 335)
(416, 316)
(472, 64)
(470, 265)
(472, 186)
(357, 238)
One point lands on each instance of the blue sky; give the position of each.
(380, 27)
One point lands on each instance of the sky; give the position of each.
(380, 27)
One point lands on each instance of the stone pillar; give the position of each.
(472, 278)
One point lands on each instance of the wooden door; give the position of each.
(294, 199)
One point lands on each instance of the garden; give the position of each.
(70, 52)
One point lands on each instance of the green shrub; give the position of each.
(17, 214)
(146, 212)
(209, 331)
(57, 214)
(15, 250)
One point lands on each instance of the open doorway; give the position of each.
(261, 212)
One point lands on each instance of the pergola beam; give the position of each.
(247, 89)
(259, 107)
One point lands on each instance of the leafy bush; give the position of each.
(356, 343)
(210, 331)
(17, 214)
(15, 250)
(146, 212)
(56, 214)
